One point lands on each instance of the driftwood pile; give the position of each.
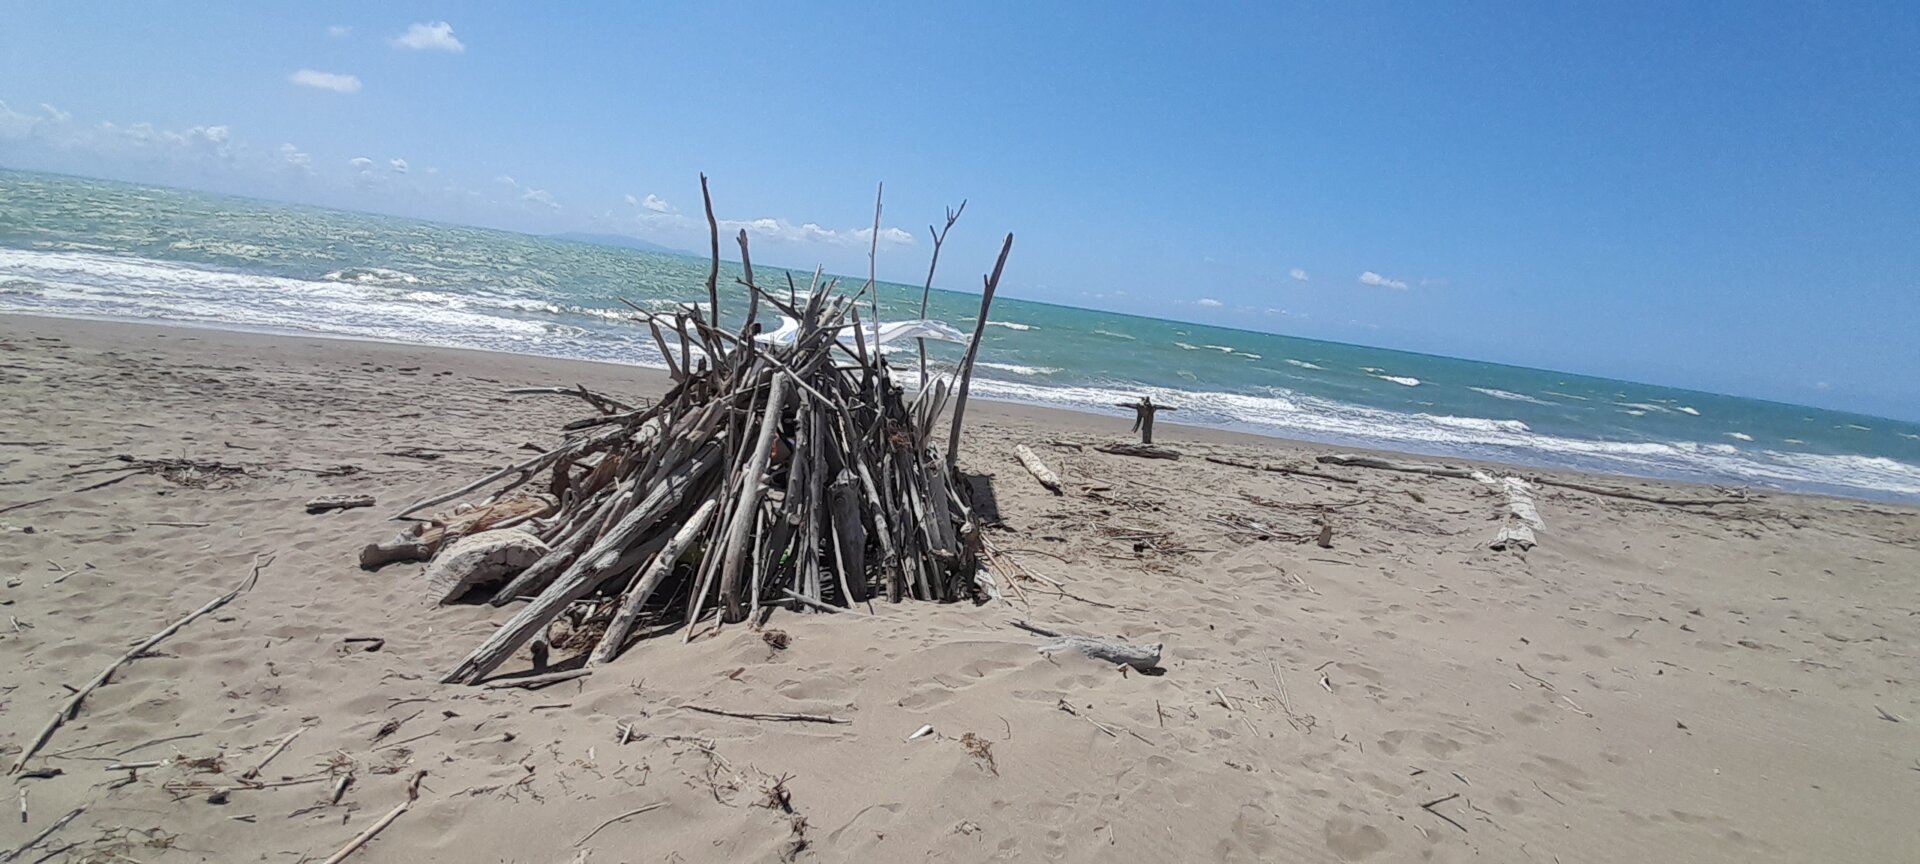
(773, 472)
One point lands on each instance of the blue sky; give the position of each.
(1715, 195)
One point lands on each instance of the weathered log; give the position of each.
(1031, 461)
(327, 503)
(1145, 658)
(480, 559)
(1143, 451)
(1375, 462)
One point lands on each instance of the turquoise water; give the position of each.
(94, 248)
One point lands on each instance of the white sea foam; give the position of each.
(1642, 407)
(1565, 395)
(1910, 435)
(372, 276)
(1224, 349)
(1401, 380)
(1010, 325)
(1018, 369)
(1116, 335)
(1188, 347)
(1687, 409)
(1739, 436)
(1304, 364)
(1247, 354)
(1634, 411)
(1508, 395)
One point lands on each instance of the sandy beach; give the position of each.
(1651, 682)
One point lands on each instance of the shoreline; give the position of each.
(652, 379)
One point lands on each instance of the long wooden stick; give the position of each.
(359, 840)
(713, 273)
(72, 706)
(752, 487)
(276, 751)
(766, 715)
(650, 579)
(973, 350)
(58, 824)
(939, 238)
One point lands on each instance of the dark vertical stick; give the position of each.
(753, 292)
(953, 215)
(973, 350)
(713, 272)
(873, 281)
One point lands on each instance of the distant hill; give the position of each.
(619, 241)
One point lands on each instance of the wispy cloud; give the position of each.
(398, 165)
(294, 156)
(656, 204)
(542, 197)
(1372, 278)
(339, 31)
(1297, 274)
(360, 163)
(433, 36)
(1208, 303)
(334, 81)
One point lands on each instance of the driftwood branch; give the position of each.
(71, 707)
(361, 839)
(1145, 658)
(770, 716)
(1031, 461)
(926, 293)
(973, 351)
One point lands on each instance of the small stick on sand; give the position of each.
(535, 682)
(413, 794)
(630, 813)
(57, 825)
(761, 715)
(1430, 805)
(72, 705)
(277, 749)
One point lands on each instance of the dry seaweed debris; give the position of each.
(772, 465)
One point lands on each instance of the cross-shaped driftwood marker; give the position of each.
(1143, 416)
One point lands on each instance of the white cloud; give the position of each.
(435, 36)
(654, 203)
(541, 196)
(782, 231)
(634, 202)
(1208, 302)
(1298, 274)
(360, 163)
(293, 156)
(339, 31)
(506, 181)
(1372, 278)
(399, 166)
(334, 81)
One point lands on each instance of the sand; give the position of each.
(1650, 683)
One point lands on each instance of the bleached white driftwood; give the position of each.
(325, 503)
(1142, 657)
(1521, 518)
(1031, 461)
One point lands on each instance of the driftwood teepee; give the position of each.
(772, 472)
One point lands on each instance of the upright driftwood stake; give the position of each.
(713, 271)
(973, 350)
(939, 238)
(753, 486)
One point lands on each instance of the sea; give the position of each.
(100, 249)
